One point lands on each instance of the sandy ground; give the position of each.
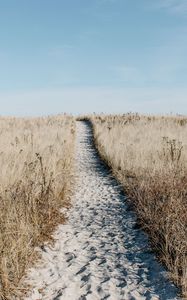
(99, 253)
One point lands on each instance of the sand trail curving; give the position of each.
(99, 253)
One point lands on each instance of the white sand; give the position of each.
(98, 254)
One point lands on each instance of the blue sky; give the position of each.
(82, 56)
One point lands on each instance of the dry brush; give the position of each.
(36, 163)
(149, 157)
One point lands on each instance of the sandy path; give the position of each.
(98, 254)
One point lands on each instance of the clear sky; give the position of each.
(93, 56)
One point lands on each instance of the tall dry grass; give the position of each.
(149, 157)
(36, 161)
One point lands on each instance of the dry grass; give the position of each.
(36, 159)
(149, 157)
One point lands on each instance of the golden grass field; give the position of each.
(36, 159)
(148, 155)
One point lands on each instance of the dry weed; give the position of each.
(149, 156)
(36, 159)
